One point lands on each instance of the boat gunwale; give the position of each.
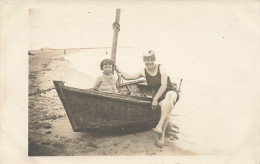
(117, 97)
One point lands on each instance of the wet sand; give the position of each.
(50, 133)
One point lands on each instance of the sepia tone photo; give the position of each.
(82, 103)
(149, 79)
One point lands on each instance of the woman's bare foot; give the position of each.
(157, 130)
(160, 144)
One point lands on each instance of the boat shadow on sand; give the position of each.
(171, 133)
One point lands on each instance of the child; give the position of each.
(107, 82)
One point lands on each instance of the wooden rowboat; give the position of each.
(88, 109)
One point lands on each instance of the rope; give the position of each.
(116, 25)
(41, 91)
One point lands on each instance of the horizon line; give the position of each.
(78, 48)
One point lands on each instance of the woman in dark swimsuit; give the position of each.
(165, 97)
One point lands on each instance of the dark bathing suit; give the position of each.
(155, 83)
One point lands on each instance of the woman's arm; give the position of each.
(126, 76)
(162, 89)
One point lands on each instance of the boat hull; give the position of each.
(91, 110)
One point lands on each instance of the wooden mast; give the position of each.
(116, 28)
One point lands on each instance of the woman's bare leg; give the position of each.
(160, 142)
(166, 108)
(164, 114)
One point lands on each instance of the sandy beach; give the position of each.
(50, 132)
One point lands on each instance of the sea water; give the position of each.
(217, 111)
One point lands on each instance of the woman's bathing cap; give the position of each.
(149, 54)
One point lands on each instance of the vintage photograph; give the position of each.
(98, 100)
(156, 80)
(147, 79)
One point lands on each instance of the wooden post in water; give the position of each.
(116, 28)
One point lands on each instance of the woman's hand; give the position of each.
(155, 104)
(119, 74)
(116, 69)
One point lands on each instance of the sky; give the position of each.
(143, 24)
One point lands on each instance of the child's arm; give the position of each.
(97, 83)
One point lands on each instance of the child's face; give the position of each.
(107, 69)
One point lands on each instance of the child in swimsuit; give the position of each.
(107, 82)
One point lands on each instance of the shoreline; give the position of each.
(50, 133)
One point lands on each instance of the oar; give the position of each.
(180, 86)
